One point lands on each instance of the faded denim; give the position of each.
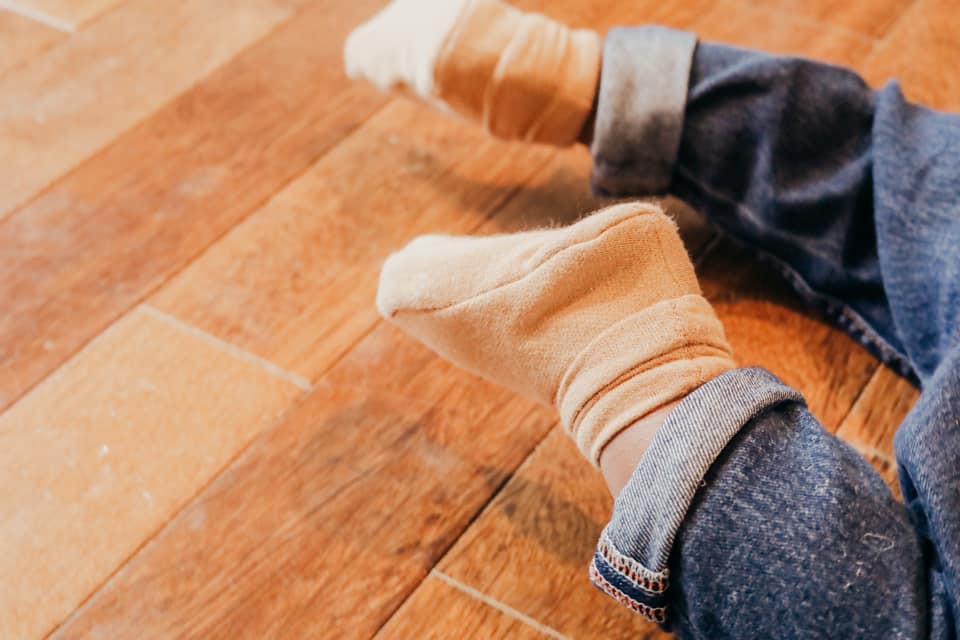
(745, 518)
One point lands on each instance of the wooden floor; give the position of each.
(206, 430)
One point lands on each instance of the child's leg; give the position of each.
(766, 526)
(854, 194)
(743, 517)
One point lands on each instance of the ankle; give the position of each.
(622, 454)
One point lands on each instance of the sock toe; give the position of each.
(437, 271)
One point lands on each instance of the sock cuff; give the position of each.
(522, 75)
(635, 367)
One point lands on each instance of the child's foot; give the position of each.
(521, 75)
(602, 319)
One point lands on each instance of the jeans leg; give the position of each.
(788, 533)
(927, 446)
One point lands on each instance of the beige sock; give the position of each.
(521, 75)
(602, 319)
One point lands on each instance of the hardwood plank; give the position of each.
(530, 547)
(64, 105)
(357, 493)
(923, 53)
(884, 403)
(733, 22)
(437, 610)
(71, 12)
(22, 39)
(769, 326)
(296, 282)
(107, 449)
(108, 234)
(869, 428)
(870, 18)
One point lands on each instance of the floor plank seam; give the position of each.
(466, 527)
(499, 606)
(856, 399)
(495, 493)
(36, 15)
(232, 349)
(910, 8)
(881, 41)
(5, 219)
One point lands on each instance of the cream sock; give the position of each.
(602, 319)
(521, 75)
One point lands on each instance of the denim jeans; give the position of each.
(745, 518)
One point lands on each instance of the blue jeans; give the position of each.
(745, 518)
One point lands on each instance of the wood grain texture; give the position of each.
(105, 236)
(438, 611)
(106, 450)
(530, 547)
(922, 51)
(72, 12)
(869, 18)
(883, 404)
(22, 39)
(734, 22)
(296, 282)
(64, 105)
(769, 326)
(328, 521)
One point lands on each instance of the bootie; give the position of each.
(602, 319)
(521, 75)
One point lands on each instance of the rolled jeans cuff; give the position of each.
(631, 561)
(640, 106)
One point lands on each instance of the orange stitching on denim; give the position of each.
(655, 582)
(653, 614)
